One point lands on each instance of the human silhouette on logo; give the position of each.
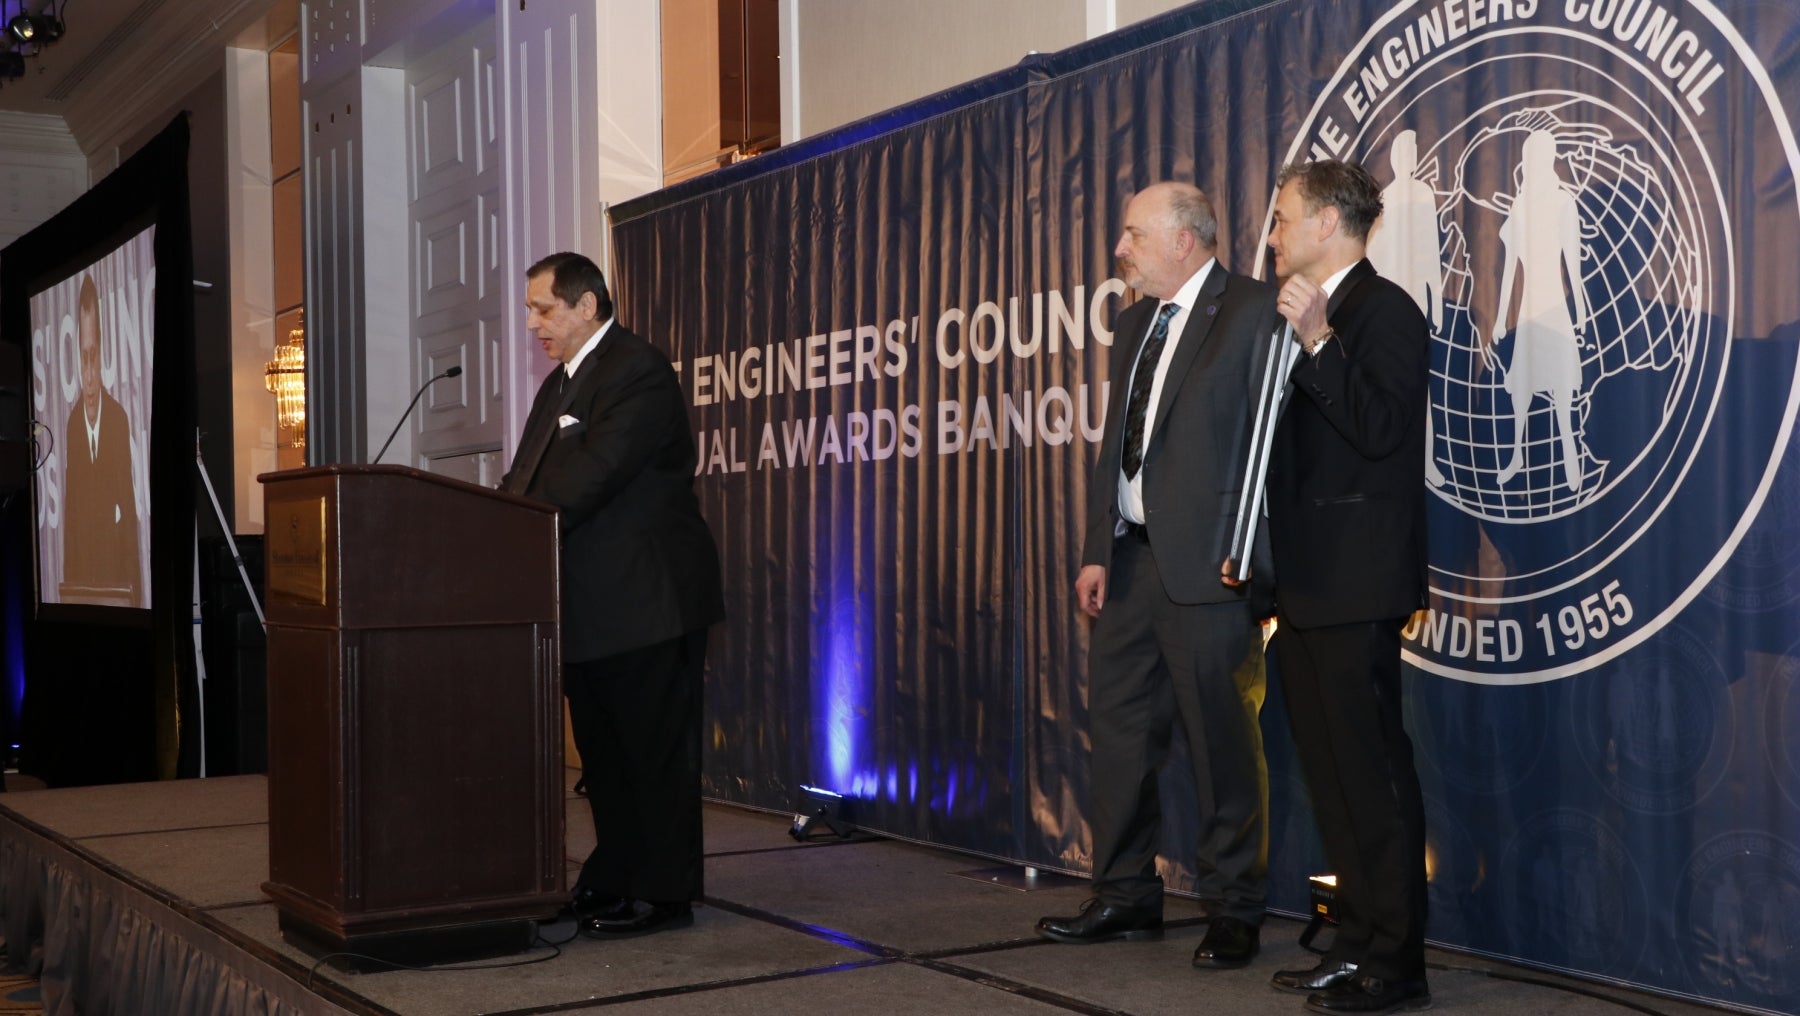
(1403, 246)
(1542, 234)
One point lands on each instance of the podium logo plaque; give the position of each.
(296, 536)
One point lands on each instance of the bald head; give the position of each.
(1170, 231)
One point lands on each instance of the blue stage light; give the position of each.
(842, 697)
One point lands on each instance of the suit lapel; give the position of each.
(544, 421)
(1362, 270)
(585, 374)
(1193, 336)
(539, 425)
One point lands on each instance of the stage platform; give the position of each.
(147, 902)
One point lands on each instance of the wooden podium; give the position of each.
(415, 714)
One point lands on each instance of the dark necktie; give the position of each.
(1142, 380)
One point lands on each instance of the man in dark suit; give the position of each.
(1346, 492)
(101, 559)
(609, 444)
(1170, 639)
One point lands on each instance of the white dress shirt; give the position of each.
(1131, 492)
(587, 347)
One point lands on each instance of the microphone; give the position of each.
(448, 372)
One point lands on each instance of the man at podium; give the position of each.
(608, 442)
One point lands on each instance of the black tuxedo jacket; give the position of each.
(1346, 487)
(1199, 435)
(612, 448)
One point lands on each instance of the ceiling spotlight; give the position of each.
(12, 65)
(49, 28)
(23, 28)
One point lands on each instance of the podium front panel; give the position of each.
(415, 704)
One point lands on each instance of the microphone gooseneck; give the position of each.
(448, 372)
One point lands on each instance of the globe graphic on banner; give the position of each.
(1561, 219)
(1639, 272)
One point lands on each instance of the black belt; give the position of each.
(1137, 532)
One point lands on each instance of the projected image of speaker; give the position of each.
(90, 342)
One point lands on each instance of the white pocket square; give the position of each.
(566, 420)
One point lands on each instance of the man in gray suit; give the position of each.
(1170, 638)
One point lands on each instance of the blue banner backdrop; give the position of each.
(894, 341)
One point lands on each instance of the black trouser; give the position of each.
(1150, 661)
(636, 719)
(1342, 688)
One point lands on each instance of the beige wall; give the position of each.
(1133, 11)
(690, 80)
(859, 57)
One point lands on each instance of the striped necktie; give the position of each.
(1142, 380)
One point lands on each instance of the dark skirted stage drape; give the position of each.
(894, 339)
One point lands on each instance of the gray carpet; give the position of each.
(868, 926)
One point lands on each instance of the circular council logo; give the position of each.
(1655, 730)
(1739, 912)
(1555, 200)
(1572, 896)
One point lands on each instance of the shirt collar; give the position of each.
(93, 426)
(587, 347)
(1331, 284)
(1189, 293)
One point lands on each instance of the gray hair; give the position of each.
(1192, 210)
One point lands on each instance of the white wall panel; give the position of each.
(330, 39)
(386, 352)
(550, 127)
(335, 377)
(454, 221)
(252, 281)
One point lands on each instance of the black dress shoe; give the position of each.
(1103, 922)
(1229, 943)
(1372, 996)
(586, 902)
(1324, 977)
(640, 919)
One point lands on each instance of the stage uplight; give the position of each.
(1323, 889)
(817, 809)
(34, 29)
